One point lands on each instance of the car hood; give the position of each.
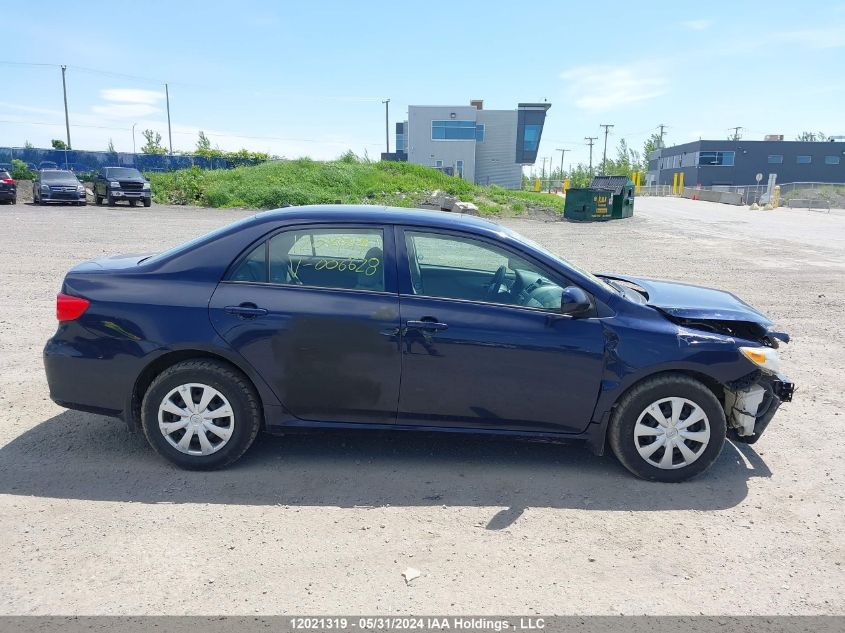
(689, 303)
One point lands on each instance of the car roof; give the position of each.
(372, 213)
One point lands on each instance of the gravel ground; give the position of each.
(94, 523)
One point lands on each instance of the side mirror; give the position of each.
(574, 301)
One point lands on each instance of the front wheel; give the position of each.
(668, 428)
(147, 202)
(201, 414)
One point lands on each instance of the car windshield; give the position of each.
(58, 176)
(122, 172)
(597, 280)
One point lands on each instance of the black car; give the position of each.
(47, 164)
(57, 185)
(121, 183)
(8, 189)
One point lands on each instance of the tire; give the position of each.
(98, 200)
(147, 202)
(231, 387)
(679, 399)
(109, 200)
(132, 203)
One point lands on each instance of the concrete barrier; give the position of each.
(725, 197)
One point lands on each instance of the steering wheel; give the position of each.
(496, 283)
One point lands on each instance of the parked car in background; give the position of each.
(8, 188)
(374, 318)
(47, 164)
(58, 185)
(121, 183)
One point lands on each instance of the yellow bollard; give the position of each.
(681, 184)
(565, 185)
(675, 183)
(637, 181)
(776, 197)
(536, 184)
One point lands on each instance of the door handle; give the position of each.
(426, 325)
(245, 311)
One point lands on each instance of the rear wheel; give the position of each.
(98, 199)
(669, 428)
(201, 414)
(109, 200)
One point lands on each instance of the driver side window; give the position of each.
(452, 267)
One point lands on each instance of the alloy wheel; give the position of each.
(196, 419)
(671, 433)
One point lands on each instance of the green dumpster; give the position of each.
(586, 205)
(607, 198)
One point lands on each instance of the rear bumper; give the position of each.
(83, 382)
(8, 195)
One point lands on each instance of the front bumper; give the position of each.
(130, 195)
(750, 409)
(62, 197)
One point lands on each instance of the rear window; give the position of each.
(4, 175)
(122, 172)
(58, 176)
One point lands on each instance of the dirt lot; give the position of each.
(92, 522)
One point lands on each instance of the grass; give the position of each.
(347, 181)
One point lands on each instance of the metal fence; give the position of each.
(84, 161)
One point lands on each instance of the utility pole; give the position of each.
(661, 126)
(543, 173)
(590, 140)
(386, 103)
(169, 134)
(133, 142)
(736, 130)
(562, 154)
(604, 153)
(67, 121)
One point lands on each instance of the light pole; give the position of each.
(67, 120)
(562, 153)
(133, 142)
(606, 127)
(386, 103)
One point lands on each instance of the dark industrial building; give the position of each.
(708, 163)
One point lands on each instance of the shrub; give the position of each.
(20, 171)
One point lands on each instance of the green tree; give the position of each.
(111, 149)
(28, 145)
(811, 136)
(203, 144)
(20, 171)
(58, 144)
(652, 143)
(153, 143)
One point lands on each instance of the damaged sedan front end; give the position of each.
(707, 317)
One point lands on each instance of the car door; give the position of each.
(501, 358)
(315, 310)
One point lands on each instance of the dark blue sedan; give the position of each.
(374, 318)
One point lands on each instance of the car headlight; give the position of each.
(146, 186)
(766, 358)
(80, 189)
(45, 187)
(114, 183)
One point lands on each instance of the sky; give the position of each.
(308, 78)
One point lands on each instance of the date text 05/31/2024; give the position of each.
(409, 623)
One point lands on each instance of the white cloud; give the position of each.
(820, 38)
(600, 88)
(698, 25)
(125, 110)
(132, 95)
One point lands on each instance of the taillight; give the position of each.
(69, 308)
(9, 181)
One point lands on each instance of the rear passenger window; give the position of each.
(351, 259)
